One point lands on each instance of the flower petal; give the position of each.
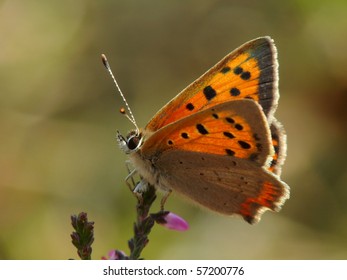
(174, 222)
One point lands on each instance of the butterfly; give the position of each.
(218, 142)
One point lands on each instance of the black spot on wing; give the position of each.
(184, 135)
(238, 126)
(238, 70)
(209, 93)
(229, 120)
(245, 75)
(201, 129)
(190, 107)
(235, 91)
(244, 145)
(225, 70)
(228, 134)
(229, 152)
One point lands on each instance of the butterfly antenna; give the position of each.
(122, 110)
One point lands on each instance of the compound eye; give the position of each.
(133, 142)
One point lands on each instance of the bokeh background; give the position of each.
(59, 113)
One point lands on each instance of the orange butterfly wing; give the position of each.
(219, 158)
(248, 72)
(238, 129)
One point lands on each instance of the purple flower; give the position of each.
(172, 221)
(115, 255)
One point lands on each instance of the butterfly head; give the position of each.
(131, 143)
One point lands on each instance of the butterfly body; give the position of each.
(217, 142)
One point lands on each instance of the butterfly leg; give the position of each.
(133, 186)
(135, 190)
(141, 186)
(164, 199)
(131, 174)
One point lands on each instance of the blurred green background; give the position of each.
(59, 113)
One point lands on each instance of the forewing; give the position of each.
(237, 129)
(248, 72)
